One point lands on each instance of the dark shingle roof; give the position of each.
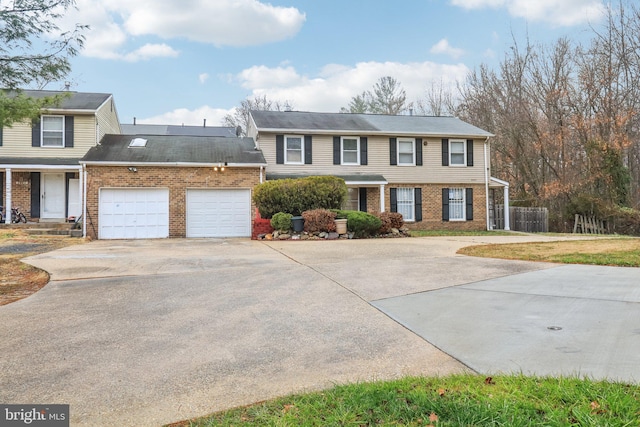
(360, 178)
(168, 149)
(299, 121)
(49, 161)
(75, 100)
(144, 129)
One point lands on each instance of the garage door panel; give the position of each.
(218, 213)
(134, 213)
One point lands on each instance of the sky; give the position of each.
(186, 61)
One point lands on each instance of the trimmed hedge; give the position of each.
(319, 220)
(361, 224)
(390, 220)
(281, 221)
(295, 196)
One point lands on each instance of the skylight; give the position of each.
(138, 142)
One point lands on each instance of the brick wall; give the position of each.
(176, 179)
(21, 192)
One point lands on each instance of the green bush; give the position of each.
(281, 221)
(318, 220)
(625, 221)
(361, 224)
(295, 196)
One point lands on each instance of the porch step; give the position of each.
(44, 228)
(53, 232)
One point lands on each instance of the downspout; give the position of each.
(84, 201)
(486, 184)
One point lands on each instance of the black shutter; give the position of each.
(445, 152)
(417, 195)
(35, 195)
(469, 152)
(418, 151)
(336, 150)
(445, 204)
(308, 150)
(362, 199)
(393, 154)
(469, 202)
(364, 142)
(279, 149)
(68, 131)
(0, 136)
(1, 188)
(393, 199)
(35, 133)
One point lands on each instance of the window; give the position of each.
(352, 202)
(293, 150)
(406, 153)
(52, 131)
(457, 204)
(405, 202)
(457, 153)
(350, 150)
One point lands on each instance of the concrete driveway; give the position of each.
(154, 331)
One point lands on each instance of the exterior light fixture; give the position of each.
(132, 169)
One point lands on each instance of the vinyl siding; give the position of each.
(378, 162)
(108, 119)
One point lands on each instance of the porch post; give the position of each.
(7, 192)
(381, 197)
(506, 208)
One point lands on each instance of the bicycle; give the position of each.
(16, 216)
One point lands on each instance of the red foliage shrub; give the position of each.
(319, 220)
(390, 220)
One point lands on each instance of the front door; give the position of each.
(52, 196)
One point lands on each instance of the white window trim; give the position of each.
(411, 191)
(413, 142)
(464, 205)
(42, 132)
(286, 151)
(464, 156)
(357, 162)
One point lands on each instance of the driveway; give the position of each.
(154, 331)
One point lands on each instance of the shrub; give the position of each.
(390, 220)
(281, 221)
(295, 196)
(361, 224)
(625, 221)
(318, 220)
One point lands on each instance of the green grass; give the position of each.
(459, 400)
(619, 258)
(432, 233)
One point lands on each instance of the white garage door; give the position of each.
(134, 213)
(218, 213)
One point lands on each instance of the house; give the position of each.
(157, 186)
(39, 168)
(433, 170)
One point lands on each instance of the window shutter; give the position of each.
(336, 150)
(362, 200)
(0, 144)
(393, 199)
(68, 131)
(35, 134)
(35, 195)
(418, 151)
(393, 154)
(469, 202)
(364, 142)
(445, 152)
(279, 149)
(308, 150)
(1, 186)
(445, 204)
(469, 152)
(417, 196)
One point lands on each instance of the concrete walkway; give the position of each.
(150, 332)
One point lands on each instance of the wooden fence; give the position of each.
(590, 225)
(528, 220)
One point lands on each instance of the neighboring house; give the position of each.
(156, 186)
(143, 129)
(39, 168)
(433, 170)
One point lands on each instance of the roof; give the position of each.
(300, 121)
(361, 179)
(143, 129)
(47, 161)
(75, 100)
(174, 150)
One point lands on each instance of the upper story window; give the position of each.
(406, 151)
(294, 147)
(457, 152)
(52, 131)
(350, 150)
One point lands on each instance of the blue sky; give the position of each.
(179, 62)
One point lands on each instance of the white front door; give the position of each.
(52, 196)
(74, 208)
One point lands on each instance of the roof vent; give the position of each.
(138, 142)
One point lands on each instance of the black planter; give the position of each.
(298, 224)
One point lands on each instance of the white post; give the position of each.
(7, 192)
(83, 173)
(507, 227)
(381, 197)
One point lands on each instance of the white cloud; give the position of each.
(561, 13)
(184, 116)
(444, 47)
(114, 24)
(202, 78)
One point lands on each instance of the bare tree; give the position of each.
(240, 115)
(386, 97)
(439, 101)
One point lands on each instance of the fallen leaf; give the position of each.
(595, 405)
(489, 381)
(441, 392)
(433, 417)
(287, 408)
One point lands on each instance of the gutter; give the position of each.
(486, 184)
(174, 164)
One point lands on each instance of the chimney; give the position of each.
(134, 121)
(204, 124)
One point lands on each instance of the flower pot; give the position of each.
(298, 224)
(341, 226)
